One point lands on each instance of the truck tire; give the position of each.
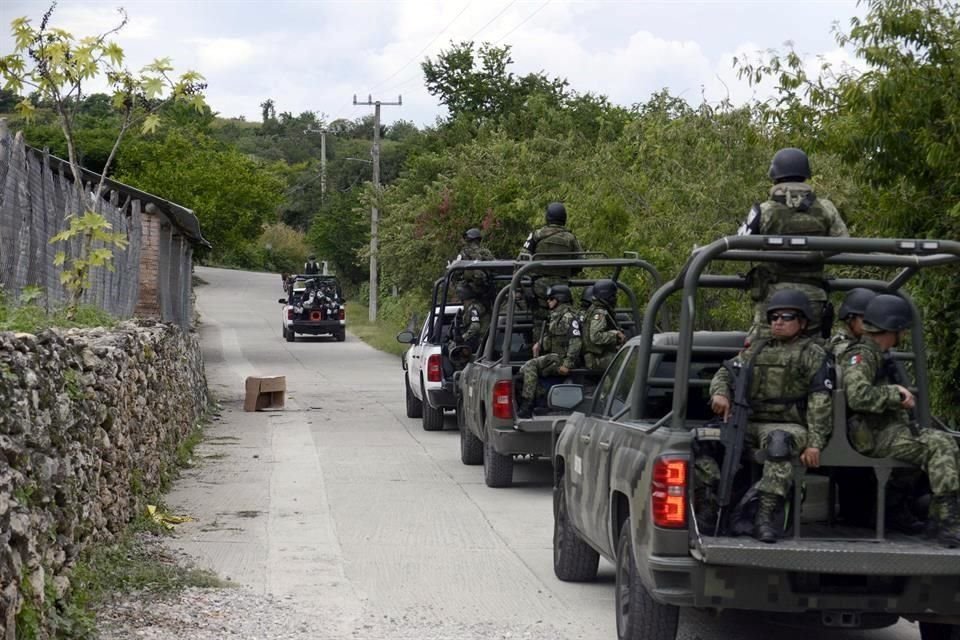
(939, 631)
(341, 335)
(573, 559)
(497, 468)
(432, 418)
(290, 335)
(639, 616)
(414, 406)
(471, 447)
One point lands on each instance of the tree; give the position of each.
(55, 66)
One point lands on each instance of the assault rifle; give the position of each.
(894, 370)
(732, 434)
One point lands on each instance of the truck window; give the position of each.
(606, 384)
(624, 384)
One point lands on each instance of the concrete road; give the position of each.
(340, 503)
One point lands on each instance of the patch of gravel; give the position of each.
(235, 613)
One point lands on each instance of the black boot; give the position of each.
(948, 531)
(525, 410)
(763, 522)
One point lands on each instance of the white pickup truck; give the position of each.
(427, 378)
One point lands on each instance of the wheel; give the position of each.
(497, 468)
(341, 335)
(290, 335)
(414, 406)
(639, 617)
(573, 559)
(939, 631)
(432, 418)
(471, 447)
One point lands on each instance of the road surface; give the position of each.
(343, 505)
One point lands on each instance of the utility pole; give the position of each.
(323, 160)
(374, 213)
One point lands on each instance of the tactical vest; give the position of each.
(794, 212)
(554, 239)
(557, 337)
(588, 345)
(777, 392)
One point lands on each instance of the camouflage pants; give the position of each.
(598, 362)
(535, 368)
(933, 451)
(777, 474)
(818, 298)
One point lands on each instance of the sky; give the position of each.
(316, 55)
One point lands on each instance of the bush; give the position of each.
(282, 248)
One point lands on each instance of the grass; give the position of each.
(30, 318)
(376, 334)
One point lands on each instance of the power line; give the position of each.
(523, 22)
(428, 45)
(492, 20)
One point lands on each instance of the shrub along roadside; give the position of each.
(380, 335)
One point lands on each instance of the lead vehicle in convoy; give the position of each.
(315, 306)
(490, 431)
(624, 477)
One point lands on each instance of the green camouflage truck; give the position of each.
(490, 431)
(624, 485)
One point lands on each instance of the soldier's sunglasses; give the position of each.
(786, 317)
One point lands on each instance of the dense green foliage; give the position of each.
(658, 177)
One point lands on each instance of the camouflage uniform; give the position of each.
(550, 239)
(785, 395)
(559, 347)
(476, 321)
(478, 280)
(600, 338)
(840, 341)
(794, 210)
(879, 426)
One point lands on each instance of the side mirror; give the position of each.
(282, 301)
(565, 396)
(406, 337)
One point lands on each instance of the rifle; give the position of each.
(732, 435)
(894, 370)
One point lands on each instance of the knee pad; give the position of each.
(779, 445)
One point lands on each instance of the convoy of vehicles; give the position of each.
(624, 476)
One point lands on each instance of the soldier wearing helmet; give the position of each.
(851, 315)
(472, 249)
(551, 242)
(877, 412)
(311, 266)
(792, 209)
(602, 336)
(556, 352)
(471, 325)
(790, 402)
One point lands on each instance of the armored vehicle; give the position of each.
(624, 476)
(315, 306)
(487, 388)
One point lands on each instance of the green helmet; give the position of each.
(587, 298)
(791, 299)
(560, 293)
(855, 302)
(606, 291)
(887, 313)
(790, 163)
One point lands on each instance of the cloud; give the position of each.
(218, 54)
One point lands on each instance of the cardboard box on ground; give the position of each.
(265, 392)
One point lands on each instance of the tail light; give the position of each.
(670, 492)
(503, 400)
(315, 315)
(343, 314)
(433, 368)
(290, 314)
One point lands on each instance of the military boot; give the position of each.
(525, 410)
(901, 519)
(948, 533)
(763, 529)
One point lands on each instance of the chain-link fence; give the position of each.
(151, 276)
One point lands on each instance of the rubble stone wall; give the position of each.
(90, 423)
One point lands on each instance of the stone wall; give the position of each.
(90, 421)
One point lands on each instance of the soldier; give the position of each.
(790, 404)
(585, 301)
(311, 267)
(793, 209)
(602, 335)
(557, 350)
(879, 424)
(478, 279)
(554, 238)
(474, 322)
(851, 314)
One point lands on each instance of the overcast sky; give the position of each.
(315, 55)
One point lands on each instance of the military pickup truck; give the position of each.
(315, 306)
(624, 475)
(490, 431)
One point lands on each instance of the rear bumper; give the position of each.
(512, 441)
(442, 397)
(317, 327)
